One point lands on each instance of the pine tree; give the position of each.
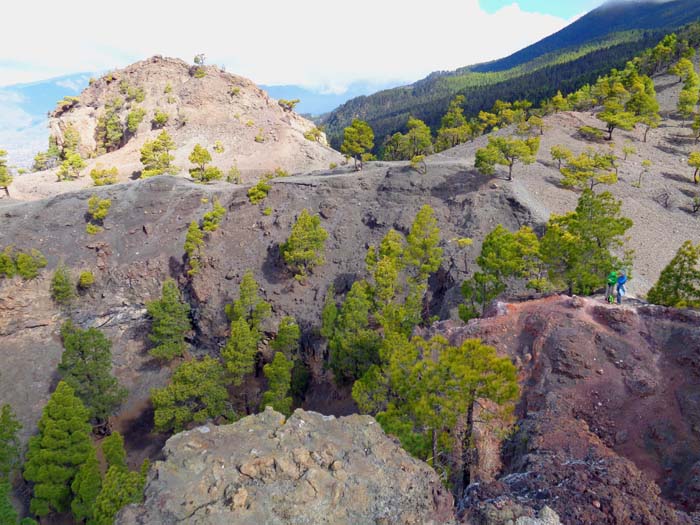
(249, 305)
(119, 488)
(113, 450)
(9, 443)
(423, 254)
(5, 175)
(578, 249)
(71, 166)
(8, 514)
(194, 240)
(287, 339)
(240, 351)
(358, 139)
(86, 487)
(196, 394)
(694, 162)
(615, 99)
(506, 151)
(61, 286)
(56, 453)
(560, 153)
(679, 283)
(304, 248)
(354, 345)
(589, 169)
(279, 377)
(86, 365)
(156, 157)
(201, 157)
(170, 323)
(212, 219)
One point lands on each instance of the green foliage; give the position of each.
(249, 306)
(578, 248)
(240, 351)
(8, 514)
(560, 153)
(258, 192)
(98, 208)
(61, 286)
(423, 253)
(260, 137)
(288, 336)
(194, 240)
(218, 147)
(93, 229)
(279, 378)
(201, 157)
(160, 119)
(615, 98)
(417, 141)
(504, 256)
(454, 128)
(314, 134)
(424, 390)
(56, 453)
(694, 162)
(119, 488)
(267, 211)
(113, 450)
(589, 169)
(170, 323)
(70, 168)
(134, 118)
(591, 133)
(304, 248)
(646, 166)
(358, 139)
(5, 175)
(104, 176)
(506, 151)
(196, 394)
(86, 279)
(156, 157)
(86, 487)
(353, 343)
(168, 88)
(9, 443)
(212, 219)
(679, 283)
(86, 366)
(109, 131)
(26, 265)
(288, 105)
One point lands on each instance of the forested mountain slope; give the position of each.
(603, 39)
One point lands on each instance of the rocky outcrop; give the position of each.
(608, 417)
(309, 469)
(257, 134)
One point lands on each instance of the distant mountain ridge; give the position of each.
(604, 38)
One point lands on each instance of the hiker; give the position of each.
(621, 281)
(610, 287)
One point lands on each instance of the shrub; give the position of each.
(314, 134)
(98, 208)
(234, 175)
(103, 176)
(303, 251)
(234, 91)
(212, 219)
(92, 229)
(61, 287)
(168, 89)
(267, 211)
(160, 119)
(86, 280)
(194, 240)
(156, 157)
(288, 105)
(218, 147)
(109, 130)
(258, 192)
(332, 166)
(200, 72)
(71, 166)
(29, 264)
(250, 123)
(134, 118)
(260, 137)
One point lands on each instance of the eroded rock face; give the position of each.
(308, 469)
(608, 417)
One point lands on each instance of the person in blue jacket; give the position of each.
(621, 290)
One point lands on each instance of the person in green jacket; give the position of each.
(610, 288)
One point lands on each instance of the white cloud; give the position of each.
(308, 42)
(74, 84)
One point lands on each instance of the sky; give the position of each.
(314, 43)
(329, 48)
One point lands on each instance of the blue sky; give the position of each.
(560, 8)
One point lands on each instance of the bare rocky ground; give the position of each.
(201, 110)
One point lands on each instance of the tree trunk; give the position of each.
(435, 448)
(510, 171)
(646, 132)
(467, 452)
(610, 132)
(7, 191)
(696, 179)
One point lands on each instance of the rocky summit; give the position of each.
(305, 470)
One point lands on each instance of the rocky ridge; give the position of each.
(308, 469)
(257, 134)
